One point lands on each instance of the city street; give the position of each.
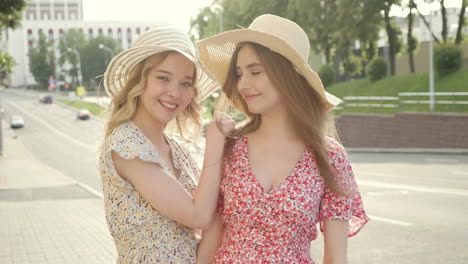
(417, 202)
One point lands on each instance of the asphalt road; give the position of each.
(418, 203)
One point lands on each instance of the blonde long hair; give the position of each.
(123, 107)
(307, 110)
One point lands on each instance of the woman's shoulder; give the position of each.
(127, 140)
(333, 145)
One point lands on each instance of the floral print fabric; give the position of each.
(140, 233)
(277, 227)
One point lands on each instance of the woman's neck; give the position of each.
(276, 126)
(153, 130)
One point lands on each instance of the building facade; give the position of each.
(54, 18)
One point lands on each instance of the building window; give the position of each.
(90, 33)
(100, 31)
(51, 36)
(60, 33)
(30, 38)
(109, 32)
(138, 31)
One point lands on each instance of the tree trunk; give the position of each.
(427, 25)
(391, 40)
(461, 23)
(444, 20)
(327, 54)
(410, 39)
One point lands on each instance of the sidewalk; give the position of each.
(45, 216)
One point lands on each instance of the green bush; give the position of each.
(327, 73)
(351, 66)
(376, 69)
(447, 59)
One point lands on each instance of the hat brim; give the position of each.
(116, 75)
(215, 54)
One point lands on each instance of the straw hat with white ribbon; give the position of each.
(280, 35)
(149, 43)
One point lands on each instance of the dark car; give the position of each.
(84, 114)
(46, 99)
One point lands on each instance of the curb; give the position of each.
(408, 150)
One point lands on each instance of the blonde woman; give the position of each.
(148, 177)
(283, 172)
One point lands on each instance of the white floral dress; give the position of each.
(140, 233)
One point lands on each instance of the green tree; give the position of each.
(95, 60)
(6, 65)
(461, 22)
(412, 42)
(392, 33)
(369, 21)
(319, 20)
(443, 11)
(10, 13)
(203, 25)
(71, 44)
(42, 60)
(235, 14)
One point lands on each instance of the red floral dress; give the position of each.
(278, 227)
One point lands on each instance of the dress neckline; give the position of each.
(283, 183)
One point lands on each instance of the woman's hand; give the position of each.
(219, 127)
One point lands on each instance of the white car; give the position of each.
(16, 121)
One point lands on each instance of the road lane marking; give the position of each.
(387, 192)
(390, 221)
(374, 173)
(459, 172)
(442, 160)
(53, 129)
(417, 188)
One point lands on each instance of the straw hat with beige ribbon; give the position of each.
(280, 35)
(149, 43)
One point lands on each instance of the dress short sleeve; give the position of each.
(335, 206)
(129, 143)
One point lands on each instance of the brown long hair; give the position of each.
(124, 104)
(307, 110)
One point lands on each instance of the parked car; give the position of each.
(84, 114)
(16, 121)
(46, 99)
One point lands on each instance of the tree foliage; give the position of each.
(10, 13)
(70, 47)
(334, 27)
(6, 64)
(42, 60)
(95, 60)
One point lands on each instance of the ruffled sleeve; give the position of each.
(130, 143)
(343, 207)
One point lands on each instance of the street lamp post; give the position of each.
(431, 61)
(80, 76)
(104, 47)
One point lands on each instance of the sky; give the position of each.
(177, 12)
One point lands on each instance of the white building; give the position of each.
(53, 18)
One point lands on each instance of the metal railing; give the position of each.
(402, 99)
